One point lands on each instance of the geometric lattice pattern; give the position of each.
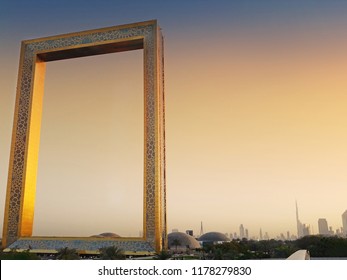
(20, 197)
(86, 245)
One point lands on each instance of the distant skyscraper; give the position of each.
(323, 227)
(305, 229)
(201, 229)
(344, 222)
(260, 235)
(242, 232)
(299, 225)
(331, 231)
(246, 234)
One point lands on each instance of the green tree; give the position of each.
(176, 243)
(323, 246)
(111, 253)
(163, 255)
(67, 254)
(15, 255)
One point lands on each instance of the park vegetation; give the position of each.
(318, 246)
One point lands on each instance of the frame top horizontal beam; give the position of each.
(91, 50)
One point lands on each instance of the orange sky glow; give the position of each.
(256, 119)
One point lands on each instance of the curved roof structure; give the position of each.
(107, 235)
(185, 240)
(213, 237)
(300, 255)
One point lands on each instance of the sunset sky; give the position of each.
(256, 115)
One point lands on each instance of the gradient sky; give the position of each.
(256, 96)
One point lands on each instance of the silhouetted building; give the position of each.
(201, 229)
(242, 231)
(331, 231)
(344, 222)
(190, 232)
(305, 229)
(299, 225)
(323, 227)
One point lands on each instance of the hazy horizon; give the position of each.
(256, 97)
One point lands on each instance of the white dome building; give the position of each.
(184, 242)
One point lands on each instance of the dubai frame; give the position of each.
(21, 187)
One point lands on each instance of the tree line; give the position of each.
(318, 246)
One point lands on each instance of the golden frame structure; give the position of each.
(21, 187)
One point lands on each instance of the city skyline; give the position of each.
(240, 231)
(255, 116)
